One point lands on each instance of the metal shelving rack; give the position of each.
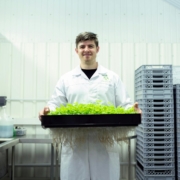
(177, 127)
(155, 136)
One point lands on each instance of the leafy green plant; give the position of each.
(86, 109)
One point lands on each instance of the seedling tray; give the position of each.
(54, 121)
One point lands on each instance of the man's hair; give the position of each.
(87, 36)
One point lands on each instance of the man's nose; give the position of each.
(86, 48)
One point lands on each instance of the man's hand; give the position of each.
(45, 111)
(136, 108)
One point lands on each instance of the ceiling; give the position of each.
(175, 3)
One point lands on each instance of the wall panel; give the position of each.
(41, 81)
(103, 55)
(175, 54)
(28, 89)
(127, 66)
(140, 54)
(115, 57)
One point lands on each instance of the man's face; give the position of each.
(87, 51)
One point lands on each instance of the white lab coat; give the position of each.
(92, 160)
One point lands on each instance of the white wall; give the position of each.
(37, 46)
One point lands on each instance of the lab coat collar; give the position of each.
(100, 70)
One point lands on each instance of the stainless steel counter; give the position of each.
(6, 144)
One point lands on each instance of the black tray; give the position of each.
(52, 121)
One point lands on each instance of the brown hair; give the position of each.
(87, 36)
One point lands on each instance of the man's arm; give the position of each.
(45, 111)
(58, 98)
(123, 99)
(136, 108)
(121, 95)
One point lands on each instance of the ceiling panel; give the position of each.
(175, 3)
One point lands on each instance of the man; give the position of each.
(88, 83)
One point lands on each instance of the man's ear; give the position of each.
(97, 50)
(76, 50)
